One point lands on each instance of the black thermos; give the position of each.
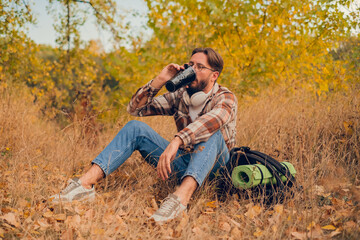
(183, 78)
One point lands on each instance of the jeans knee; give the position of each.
(134, 124)
(134, 127)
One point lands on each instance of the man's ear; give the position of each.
(215, 76)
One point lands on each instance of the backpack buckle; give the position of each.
(245, 149)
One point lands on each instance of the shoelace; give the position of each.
(70, 186)
(167, 205)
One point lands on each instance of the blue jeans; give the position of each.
(136, 135)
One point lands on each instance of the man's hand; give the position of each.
(169, 154)
(166, 74)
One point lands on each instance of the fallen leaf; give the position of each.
(258, 232)
(98, 231)
(197, 231)
(121, 212)
(333, 234)
(154, 204)
(212, 204)
(348, 125)
(209, 211)
(11, 218)
(5, 210)
(236, 233)
(356, 193)
(278, 208)
(319, 190)
(350, 225)
(236, 204)
(76, 219)
(203, 219)
(169, 232)
(89, 214)
(34, 232)
(329, 227)
(299, 235)
(253, 211)
(274, 219)
(183, 222)
(108, 218)
(311, 225)
(68, 234)
(149, 211)
(241, 217)
(60, 217)
(235, 223)
(224, 226)
(22, 203)
(315, 232)
(48, 214)
(2, 232)
(43, 224)
(339, 229)
(79, 210)
(69, 208)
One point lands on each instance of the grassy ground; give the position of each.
(321, 137)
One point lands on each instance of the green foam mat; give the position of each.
(249, 176)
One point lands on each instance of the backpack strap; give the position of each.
(277, 165)
(273, 165)
(270, 167)
(262, 174)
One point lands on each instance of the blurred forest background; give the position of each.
(293, 65)
(312, 45)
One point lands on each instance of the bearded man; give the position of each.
(205, 116)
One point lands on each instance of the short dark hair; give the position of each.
(214, 58)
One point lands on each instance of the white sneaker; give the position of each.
(74, 191)
(170, 208)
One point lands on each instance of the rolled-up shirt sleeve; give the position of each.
(161, 105)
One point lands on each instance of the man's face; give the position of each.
(204, 76)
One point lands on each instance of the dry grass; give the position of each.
(321, 137)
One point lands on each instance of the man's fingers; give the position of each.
(163, 167)
(168, 168)
(165, 171)
(173, 66)
(159, 167)
(177, 66)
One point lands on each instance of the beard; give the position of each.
(201, 86)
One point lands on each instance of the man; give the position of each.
(205, 116)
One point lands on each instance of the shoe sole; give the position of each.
(83, 199)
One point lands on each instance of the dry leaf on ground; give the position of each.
(224, 226)
(253, 211)
(11, 219)
(299, 235)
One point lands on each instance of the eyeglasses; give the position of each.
(199, 67)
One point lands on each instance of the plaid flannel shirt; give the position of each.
(219, 112)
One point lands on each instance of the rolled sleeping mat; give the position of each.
(249, 176)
